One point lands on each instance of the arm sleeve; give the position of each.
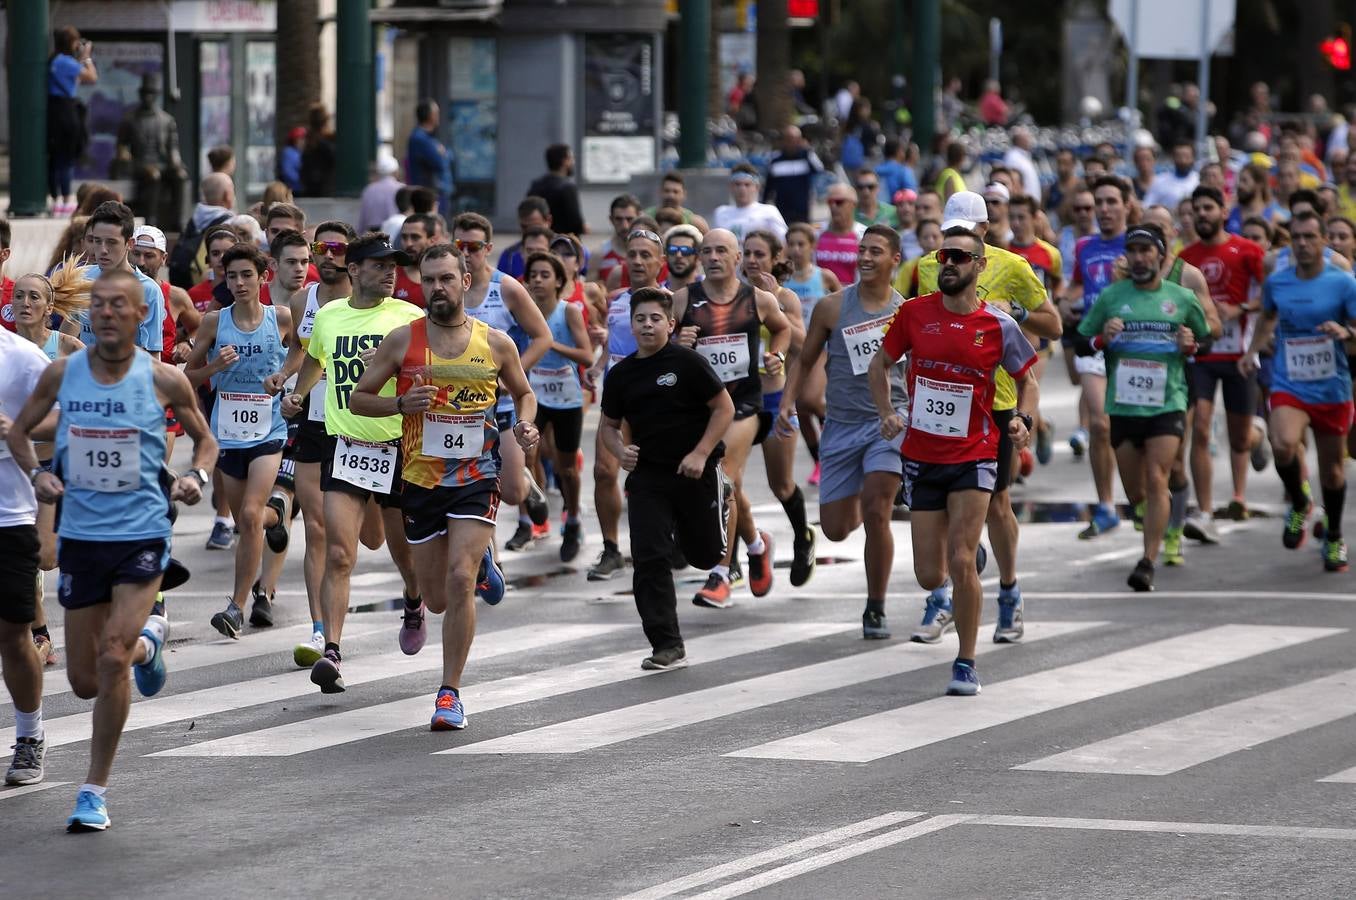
(896, 342)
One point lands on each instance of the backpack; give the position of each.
(185, 268)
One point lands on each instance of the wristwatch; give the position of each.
(34, 472)
(201, 475)
(1026, 420)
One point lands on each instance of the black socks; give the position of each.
(1333, 501)
(1294, 484)
(795, 512)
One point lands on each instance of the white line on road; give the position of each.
(1191, 740)
(10, 793)
(1209, 828)
(908, 727)
(1278, 594)
(1346, 776)
(628, 723)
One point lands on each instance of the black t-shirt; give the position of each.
(562, 196)
(665, 398)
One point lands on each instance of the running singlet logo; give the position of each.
(348, 366)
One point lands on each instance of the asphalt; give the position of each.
(718, 787)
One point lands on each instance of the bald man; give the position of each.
(188, 262)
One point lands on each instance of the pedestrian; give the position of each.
(318, 157)
(378, 199)
(557, 187)
(428, 161)
(791, 175)
(71, 64)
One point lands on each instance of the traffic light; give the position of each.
(1337, 49)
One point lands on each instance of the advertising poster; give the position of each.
(619, 107)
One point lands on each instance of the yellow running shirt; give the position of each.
(339, 337)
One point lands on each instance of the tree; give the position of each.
(298, 64)
(773, 86)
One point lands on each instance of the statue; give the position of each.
(148, 146)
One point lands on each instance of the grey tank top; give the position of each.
(851, 345)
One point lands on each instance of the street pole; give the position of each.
(693, 49)
(927, 39)
(1203, 104)
(28, 45)
(355, 120)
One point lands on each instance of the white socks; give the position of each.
(29, 725)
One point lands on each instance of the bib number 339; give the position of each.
(941, 408)
(368, 465)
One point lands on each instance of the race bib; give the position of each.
(103, 459)
(1141, 382)
(728, 354)
(453, 436)
(1310, 358)
(244, 417)
(863, 340)
(556, 388)
(941, 408)
(1230, 339)
(315, 412)
(368, 465)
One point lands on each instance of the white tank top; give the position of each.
(492, 310)
(307, 323)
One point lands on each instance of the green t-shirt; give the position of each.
(1145, 370)
(885, 215)
(339, 337)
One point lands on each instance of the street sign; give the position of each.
(1170, 29)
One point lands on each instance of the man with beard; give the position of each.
(448, 366)
(415, 237)
(955, 343)
(672, 195)
(1146, 327)
(680, 251)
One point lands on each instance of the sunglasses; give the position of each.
(867, 187)
(676, 250)
(471, 246)
(646, 234)
(955, 256)
(333, 248)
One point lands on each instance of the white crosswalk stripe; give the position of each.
(908, 727)
(618, 725)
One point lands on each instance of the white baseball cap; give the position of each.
(387, 165)
(964, 209)
(149, 236)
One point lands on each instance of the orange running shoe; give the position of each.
(760, 567)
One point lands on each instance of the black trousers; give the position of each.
(661, 507)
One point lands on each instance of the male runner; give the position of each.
(1141, 326)
(115, 518)
(955, 343)
(859, 470)
(677, 409)
(416, 236)
(623, 212)
(448, 366)
(680, 254)
(1045, 260)
(746, 214)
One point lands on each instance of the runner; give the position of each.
(416, 235)
(836, 248)
(623, 212)
(860, 470)
(720, 318)
(1310, 308)
(448, 367)
(115, 517)
(204, 294)
(362, 455)
(676, 409)
(955, 343)
(559, 392)
(745, 214)
(1046, 262)
(587, 295)
(238, 348)
(809, 282)
(147, 253)
(1146, 326)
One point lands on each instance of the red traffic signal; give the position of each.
(1337, 51)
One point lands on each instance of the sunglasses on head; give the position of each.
(955, 256)
(333, 248)
(471, 246)
(678, 250)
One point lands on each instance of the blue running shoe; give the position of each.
(91, 813)
(964, 681)
(1009, 629)
(150, 675)
(490, 580)
(448, 713)
(937, 617)
(1104, 519)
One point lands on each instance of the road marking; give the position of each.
(628, 723)
(1208, 828)
(1191, 740)
(8, 793)
(908, 727)
(1189, 595)
(372, 721)
(1346, 776)
(757, 860)
(296, 683)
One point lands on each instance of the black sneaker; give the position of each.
(325, 674)
(276, 535)
(261, 611)
(1142, 579)
(572, 539)
(874, 627)
(668, 658)
(230, 621)
(538, 510)
(521, 538)
(803, 557)
(609, 563)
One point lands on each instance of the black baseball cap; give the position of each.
(377, 250)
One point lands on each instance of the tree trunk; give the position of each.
(773, 86)
(298, 64)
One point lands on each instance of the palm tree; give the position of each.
(772, 87)
(298, 64)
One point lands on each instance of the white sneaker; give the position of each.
(307, 653)
(1201, 527)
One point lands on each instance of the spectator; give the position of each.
(429, 164)
(559, 191)
(791, 176)
(289, 160)
(844, 100)
(1175, 121)
(391, 224)
(740, 104)
(533, 213)
(318, 158)
(221, 158)
(894, 173)
(1018, 159)
(953, 107)
(71, 64)
(992, 108)
(799, 104)
(378, 201)
(216, 205)
(1168, 188)
(860, 137)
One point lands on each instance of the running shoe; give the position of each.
(1142, 578)
(261, 609)
(221, 538)
(1201, 527)
(490, 580)
(1078, 442)
(1295, 531)
(307, 653)
(91, 813)
(541, 531)
(571, 539)
(874, 627)
(1238, 511)
(813, 480)
(1261, 454)
(1045, 442)
(609, 563)
(1137, 515)
(150, 675)
(448, 713)
(663, 660)
(325, 673)
(1009, 629)
(1172, 548)
(522, 536)
(46, 650)
(26, 767)
(937, 618)
(1026, 462)
(760, 567)
(715, 593)
(158, 607)
(736, 577)
(276, 535)
(413, 632)
(230, 621)
(538, 509)
(964, 680)
(803, 557)
(1335, 556)
(1104, 519)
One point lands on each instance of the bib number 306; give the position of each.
(368, 465)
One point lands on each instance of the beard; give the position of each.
(679, 270)
(441, 309)
(1246, 196)
(1206, 229)
(1142, 274)
(953, 283)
